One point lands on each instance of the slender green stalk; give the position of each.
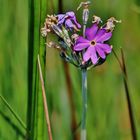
(129, 103)
(14, 113)
(84, 98)
(128, 98)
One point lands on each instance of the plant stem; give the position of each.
(84, 98)
(84, 81)
(14, 113)
(128, 98)
(132, 123)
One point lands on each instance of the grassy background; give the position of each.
(107, 108)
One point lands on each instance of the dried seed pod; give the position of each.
(110, 25)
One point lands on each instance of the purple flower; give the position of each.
(94, 43)
(69, 20)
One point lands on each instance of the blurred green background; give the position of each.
(107, 109)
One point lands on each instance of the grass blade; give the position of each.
(125, 79)
(44, 100)
(14, 113)
(14, 126)
(35, 114)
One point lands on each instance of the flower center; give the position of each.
(93, 43)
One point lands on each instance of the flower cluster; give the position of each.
(85, 51)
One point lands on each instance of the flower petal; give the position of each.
(71, 14)
(104, 37)
(61, 18)
(100, 52)
(69, 23)
(69, 19)
(87, 54)
(81, 46)
(94, 57)
(91, 32)
(107, 49)
(72, 17)
(82, 40)
(76, 23)
(100, 33)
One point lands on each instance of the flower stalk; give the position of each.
(84, 98)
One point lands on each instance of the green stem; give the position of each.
(84, 98)
(84, 82)
(14, 113)
(84, 29)
(128, 98)
(129, 103)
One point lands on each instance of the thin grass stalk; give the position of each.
(127, 92)
(69, 88)
(129, 103)
(117, 58)
(45, 100)
(14, 113)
